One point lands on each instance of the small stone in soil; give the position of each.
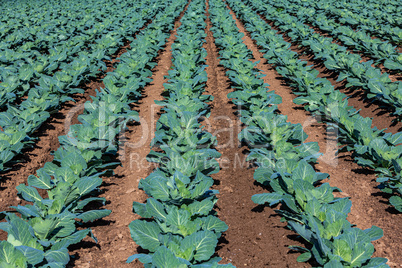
(130, 190)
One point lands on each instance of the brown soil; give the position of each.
(255, 237)
(115, 242)
(370, 207)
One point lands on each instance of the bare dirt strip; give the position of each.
(256, 237)
(115, 242)
(369, 205)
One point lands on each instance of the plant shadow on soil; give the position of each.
(293, 237)
(386, 197)
(82, 245)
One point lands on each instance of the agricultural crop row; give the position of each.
(38, 75)
(370, 146)
(184, 229)
(45, 61)
(284, 162)
(48, 226)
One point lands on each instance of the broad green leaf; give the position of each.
(19, 233)
(342, 249)
(60, 256)
(177, 217)
(93, 215)
(304, 171)
(71, 239)
(29, 193)
(141, 209)
(87, 184)
(204, 243)
(377, 263)
(374, 233)
(144, 258)
(201, 208)
(271, 198)
(396, 201)
(145, 234)
(164, 258)
(333, 264)
(160, 190)
(213, 223)
(304, 257)
(156, 209)
(41, 182)
(361, 252)
(43, 227)
(25, 72)
(34, 256)
(10, 257)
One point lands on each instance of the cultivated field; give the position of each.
(201, 133)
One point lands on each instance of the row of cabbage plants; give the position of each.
(47, 89)
(358, 74)
(78, 43)
(383, 21)
(285, 162)
(48, 223)
(359, 41)
(45, 37)
(371, 147)
(179, 226)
